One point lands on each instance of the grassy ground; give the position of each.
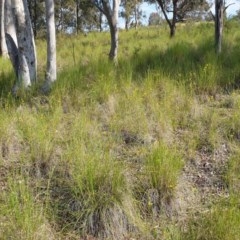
(147, 149)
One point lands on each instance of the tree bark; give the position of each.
(219, 11)
(112, 17)
(114, 42)
(174, 19)
(10, 38)
(136, 16)
(171, 24)
(51, 73)
(127, 23)
(12, 53)
(3, 46)
(27, 70)
(9, 21)
(172, 31)
(111, 13)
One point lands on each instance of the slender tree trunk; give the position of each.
(26, 46)
(25, 36)
(127, 23)
(3, 46)
(172, 31)
(171, 24)
(219, 12)
(114, 42)
(111, 13)
(112, 17)
(10, 37)
(174, 20)
(136, 16)
(51, 74)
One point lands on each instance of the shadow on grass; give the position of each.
(6, 84)
(192, 65)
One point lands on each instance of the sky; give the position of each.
(148, 9)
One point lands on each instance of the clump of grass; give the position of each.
(22, 215)
(94, 196)
(221, 222)
(156, 183)
(162, 168)
(106, 143)
(233, 174)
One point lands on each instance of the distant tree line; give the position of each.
(71, 16)
(74, 16)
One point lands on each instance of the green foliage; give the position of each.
(233, 173)
(162, 168)
(84, 159)
(154, 19)
(221, 222)
(22, 216)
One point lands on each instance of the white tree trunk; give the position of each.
(51, 73)
(26, 44)
(112, 17)
(9, 21)
(4, 50)
(9, 33)
(114, 32)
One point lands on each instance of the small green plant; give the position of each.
(21, 215)
(233, 174)
(162, 168)
(221, 222)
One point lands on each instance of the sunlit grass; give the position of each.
(88, 158)
(221, 222)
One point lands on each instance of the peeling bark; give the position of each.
(26, 45)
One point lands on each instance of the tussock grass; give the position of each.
(162, 167)
(221, 222)
(22, 214)
(103, 155)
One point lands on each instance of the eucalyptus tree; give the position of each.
(218, 18)
(51, 73)
(88, 17)
(176, 10)
(9, 20)
(22, 49)
(154, 19)
(3, 46)
(36, 10)
(131, 9)
(18, 32)
(65, 15)
(110, 9)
